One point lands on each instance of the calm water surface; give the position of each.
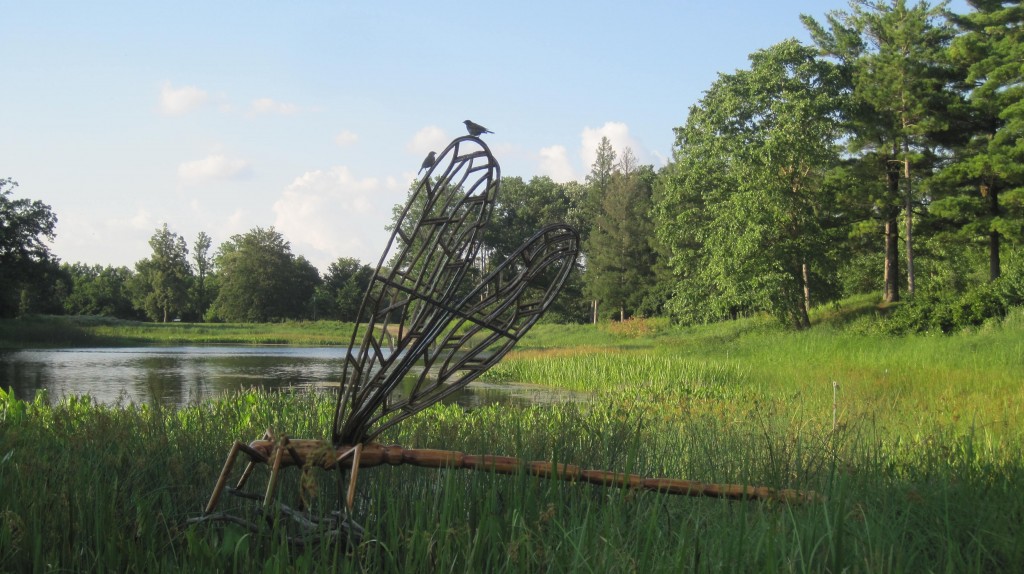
(181, 375)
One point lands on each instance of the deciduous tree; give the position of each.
(25, 259)
(261, 280)
(161, 282)
(203, 289)
(98, 290)
(343, 286)
(745, 212)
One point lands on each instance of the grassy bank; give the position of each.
(918, 455)
(59, 331)
(972, 379)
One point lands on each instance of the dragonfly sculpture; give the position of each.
(428, 315)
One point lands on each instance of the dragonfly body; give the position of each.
(308, 453)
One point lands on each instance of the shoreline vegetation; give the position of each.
(915, 443)
(49, 331)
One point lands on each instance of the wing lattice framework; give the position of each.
(464, 341)
(432, 248)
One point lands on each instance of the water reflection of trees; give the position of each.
(24, 378)
(181, 375)
(163, 381)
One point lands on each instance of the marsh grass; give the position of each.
(968, 380)
(89, 487)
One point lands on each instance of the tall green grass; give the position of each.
(98, 488)
(972, 379)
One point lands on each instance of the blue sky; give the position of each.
(313, 117)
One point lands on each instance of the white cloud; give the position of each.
(213, 167)
(141, 220)
(177, 101)
(346, 138)
(235, 223)
(554, 163)
(428, 139)
(271, 106)
(616, 132)
(334, 214)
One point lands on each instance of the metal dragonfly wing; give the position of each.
(421, 320)
(463, 342)
(432, 247)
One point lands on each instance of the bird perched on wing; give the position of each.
(428, 162)
(476, 129)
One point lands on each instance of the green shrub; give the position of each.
(976, 305)
(935, 313)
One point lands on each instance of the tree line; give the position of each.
(885, 157)
(253, 277)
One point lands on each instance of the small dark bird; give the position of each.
(476, 129)
(428, 162)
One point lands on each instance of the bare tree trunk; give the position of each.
(807, 287)
(994, 265)
(803, 321)
(892, 266)
(909, 226)
(892, 252)
(593, 307)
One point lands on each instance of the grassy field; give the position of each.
(917, 451)
(58, 331)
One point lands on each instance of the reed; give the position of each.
(94, 487)
(967, 380)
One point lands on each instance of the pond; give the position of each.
(183, 375)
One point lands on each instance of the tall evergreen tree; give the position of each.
(620, 260)
(602, 169)
(988, 175)
(894, 60)
(597, 182)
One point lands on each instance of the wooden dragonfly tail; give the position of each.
(283, 452)
(374, 454)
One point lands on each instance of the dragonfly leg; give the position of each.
(354, 452)
(252, 463)
(255, 457)
(274, 470)
(230, 462)
(352, 479)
